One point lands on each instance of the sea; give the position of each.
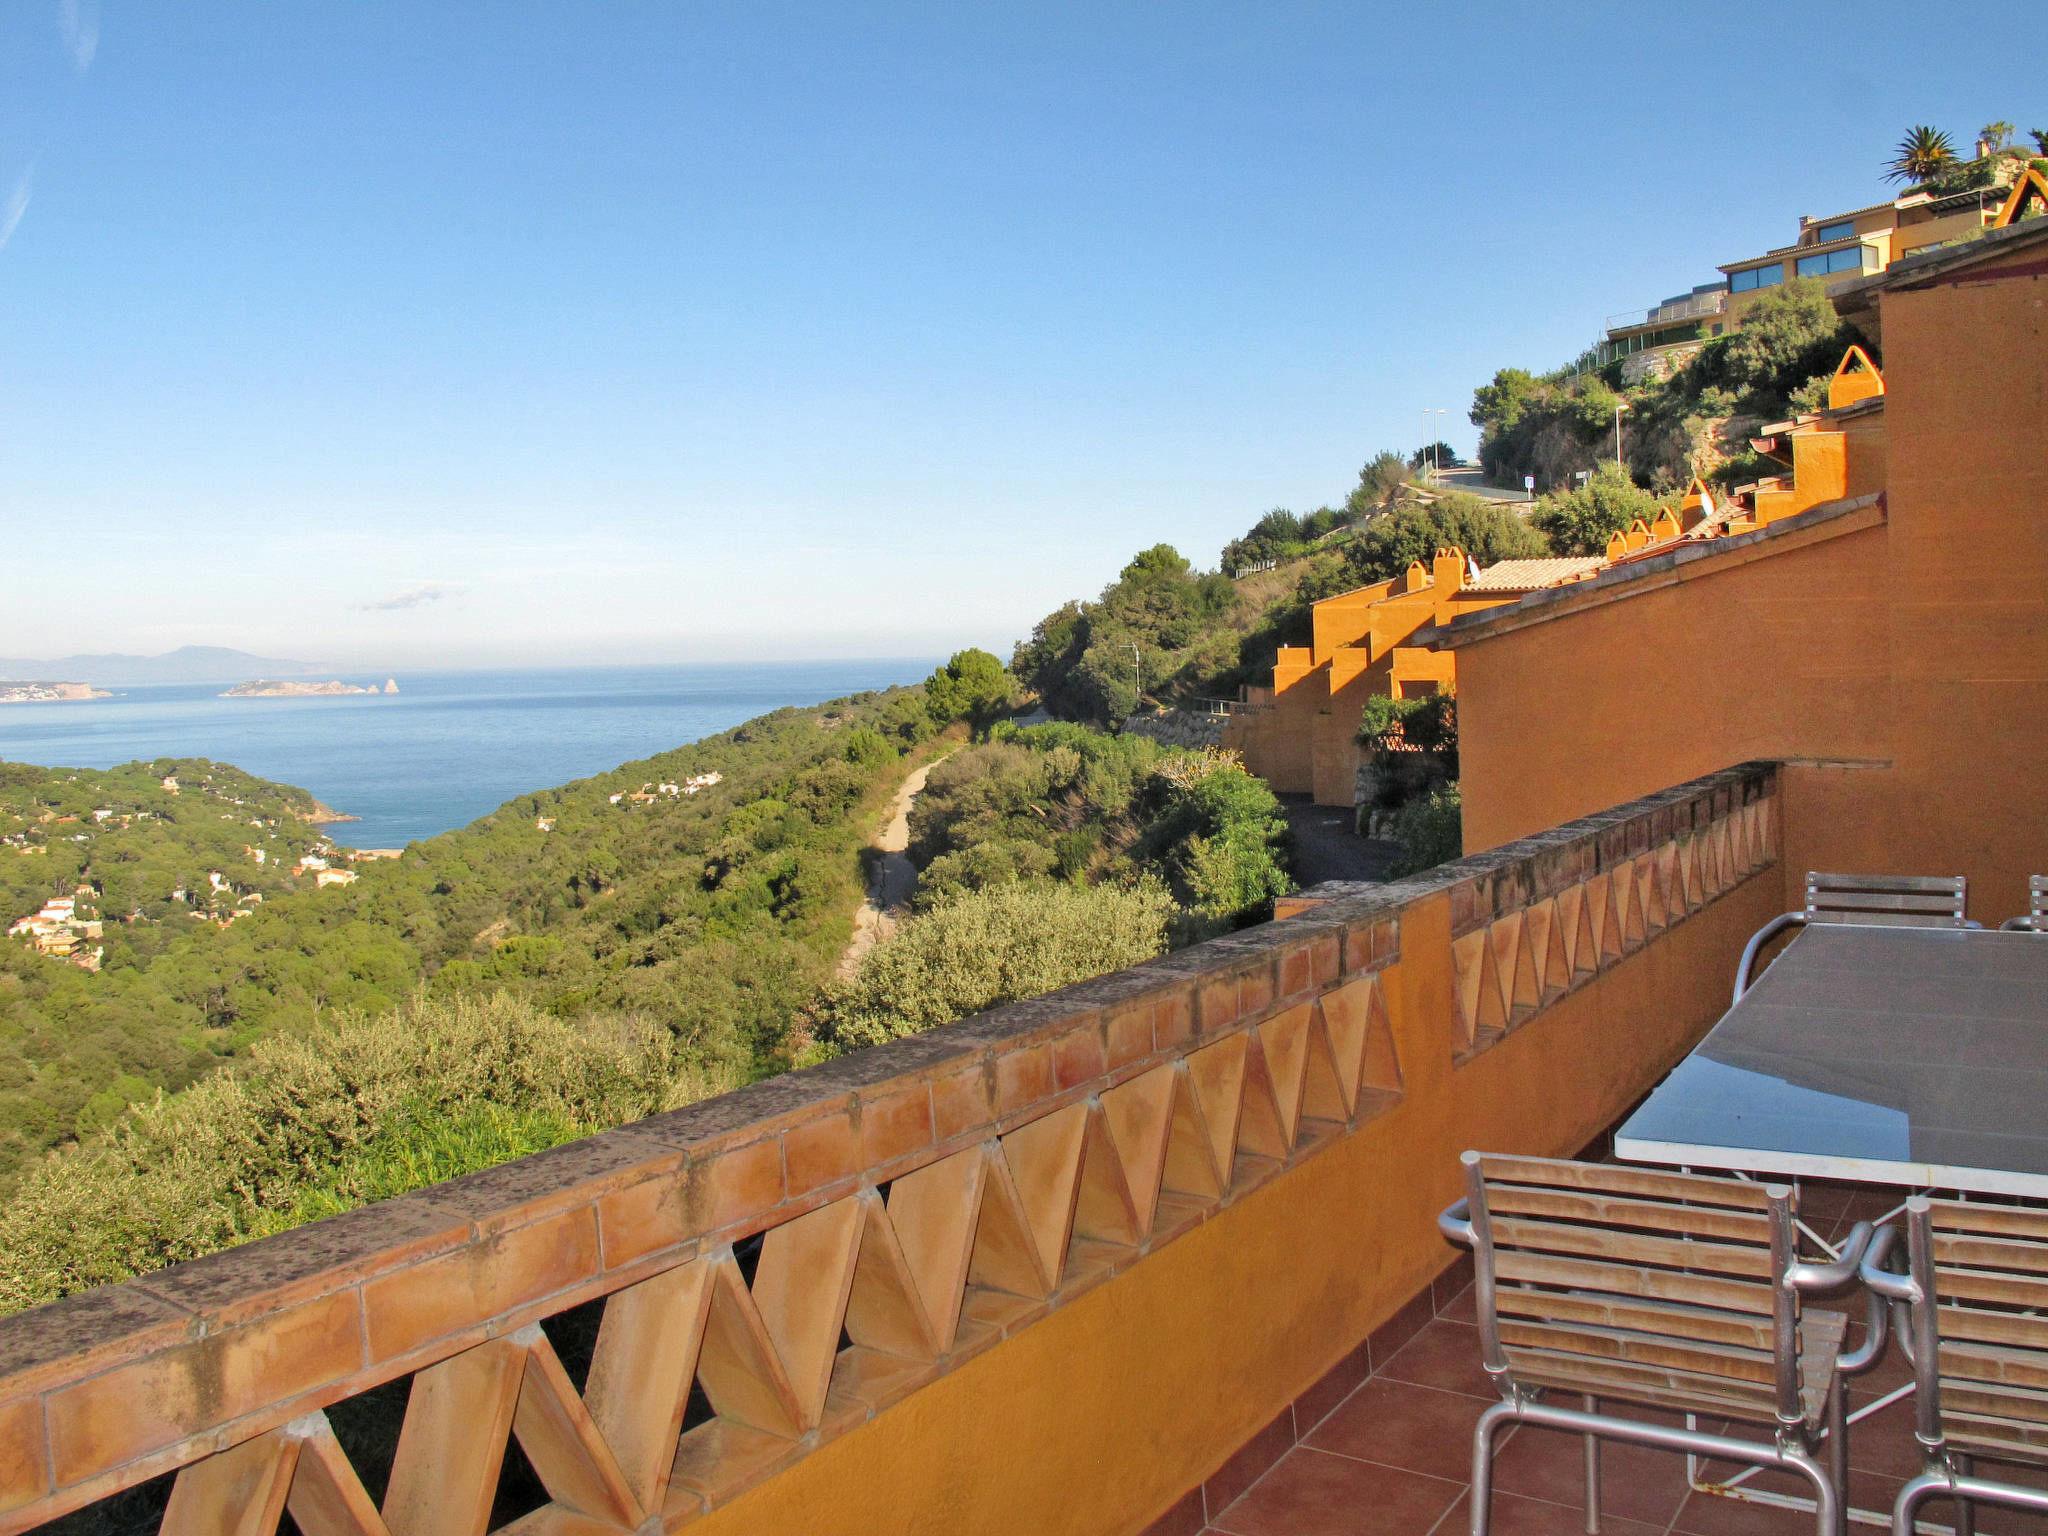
(448, 746)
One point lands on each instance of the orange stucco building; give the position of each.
(1881, 624)
(1300, 733)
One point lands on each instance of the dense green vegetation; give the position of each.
(1554, 425)
(578, 958)
(156, 857)
(349, 1108)
(1579, 521)
(718, 912)
(1068, 803)
(971, 949)
(1162, 629)
(1486, 531)
(1053, 853)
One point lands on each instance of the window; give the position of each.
(1849, 259)
(1756, 277)
(1841, 229)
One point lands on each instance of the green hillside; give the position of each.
(719, 911)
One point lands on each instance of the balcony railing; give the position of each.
(1043, 1236)
(1694, 306)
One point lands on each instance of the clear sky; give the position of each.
(492, 332)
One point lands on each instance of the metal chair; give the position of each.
(1975, 1285)
(2036, 918)
(1669, 1290)
(1918, 901)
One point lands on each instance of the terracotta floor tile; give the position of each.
(1514, 1516)
(1313, 1493)
(1707, 1514)
(1418, 1429)
(1884, 1442)
(1446, 1355)
(1890, 1373)
(1250, 1461)
(1460, 1308)
(1636, 1481)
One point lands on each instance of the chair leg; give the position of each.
(1827, 1502)
(1916, 1492)
(1966, 1509)
(1592, 1405)
(1838, 1449)
(1482, 1465)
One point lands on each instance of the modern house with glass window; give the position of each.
(1851, 244)
(1861, 241)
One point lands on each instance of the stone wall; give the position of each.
(1179, 727)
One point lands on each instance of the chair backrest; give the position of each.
(1980, 1339)
(1662, 1288)
(1926, 901)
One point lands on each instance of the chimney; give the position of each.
(1983, 147)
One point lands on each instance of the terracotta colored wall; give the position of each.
(1780, 656)
(1923, 644)
(1191, 1352)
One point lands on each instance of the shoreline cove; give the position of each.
(452, 746)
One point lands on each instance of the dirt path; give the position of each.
(894, 878)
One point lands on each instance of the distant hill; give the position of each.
(187, 664)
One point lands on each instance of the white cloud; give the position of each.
(419, 595)
(79, 21)
(16, 206)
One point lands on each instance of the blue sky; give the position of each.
(473, 333)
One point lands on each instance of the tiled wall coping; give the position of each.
(106, 1389)
(1635, 578)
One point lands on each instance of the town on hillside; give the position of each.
(149, 843)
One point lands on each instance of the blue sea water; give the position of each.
(447, 747)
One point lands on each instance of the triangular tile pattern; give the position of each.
(1505, 971)
(853, 1304)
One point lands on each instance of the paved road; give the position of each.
(1326, 847)
(1473, 481)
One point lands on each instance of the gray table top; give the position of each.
(1906, 1056)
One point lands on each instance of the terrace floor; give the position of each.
(1393, 1457)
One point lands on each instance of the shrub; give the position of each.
(1580, 520)
(352, 1109)
(975, 949)
(1221, 836)
(1430, 831)
(1488, 533)
(972, 687)
(1428, 724)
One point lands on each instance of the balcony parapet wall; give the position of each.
(810, 1250)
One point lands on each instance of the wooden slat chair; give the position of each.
(1976, 1290)
(1668, 1290)
(2035, 919)
(1911, 901)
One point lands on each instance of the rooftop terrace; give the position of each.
(1047, 1269)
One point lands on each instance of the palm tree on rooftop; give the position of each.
(1924, 153)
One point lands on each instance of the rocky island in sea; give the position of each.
(272, 688)
(48, 693)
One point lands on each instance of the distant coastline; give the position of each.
(272, 688)
(50, 693)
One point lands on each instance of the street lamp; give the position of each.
(1619, 407)
(1432, 460)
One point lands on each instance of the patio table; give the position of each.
(1914, 1057)
(1902, 1056)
